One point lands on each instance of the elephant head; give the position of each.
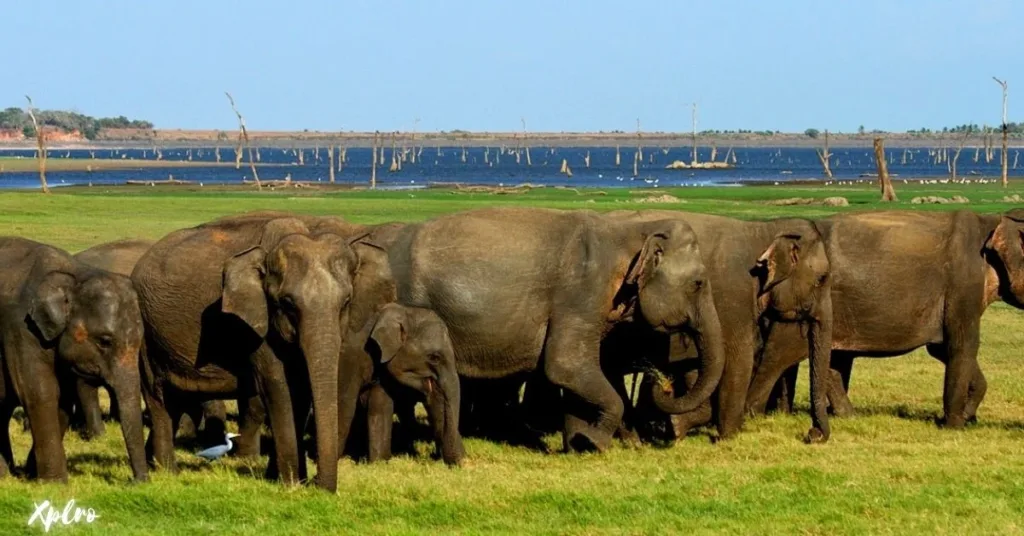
(92, 318)
(794, 286)
(293, 290)
(674, 295)
(791, 274)
(1004, 249)
(413, 346)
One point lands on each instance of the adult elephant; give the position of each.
(251, 306)
(119, 257)
(903, 280)
(522, 289)
(391, 351)
(60, 320)
(766, 273)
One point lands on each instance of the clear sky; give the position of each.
(482, 65)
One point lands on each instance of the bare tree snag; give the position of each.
(243, 135)
(956, 155)
(330, 162)
(216, 153)
(1006, 133)
(1016, 155)
(618, 157)
(525, 144)
(373, 168)
(693, 118)
(586, 160)
(636, 164)
(639, 141)
(825, 156)
(977, 151)
(888, 194)
(565, 168)
(714, 152)
(41, 143)
(342, 157)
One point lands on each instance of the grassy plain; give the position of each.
(887, 470)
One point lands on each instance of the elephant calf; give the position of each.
(408, 355)
(61, 320)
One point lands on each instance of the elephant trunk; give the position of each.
(128, 391)
(819, 341)
(706, 331)
(443, 400)
(322, 347)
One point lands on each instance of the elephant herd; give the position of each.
(495, 319)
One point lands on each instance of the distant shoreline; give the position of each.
(145, 139)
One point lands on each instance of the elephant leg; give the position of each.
(6, 452)
(963, 339)
(569, 363)
(215, 420)
(47, 459)
(160, 444)
(188, 423)
(838, 399)
(379, 423)
(88, 404)
(732, 389)
(781, 399)
(251, 416)
(766, 377)
(277, 397)
(408, 426)
(115, 411)
(977, 388)
(542, 404)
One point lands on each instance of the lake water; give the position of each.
(486, 166)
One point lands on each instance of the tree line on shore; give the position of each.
(13, 118)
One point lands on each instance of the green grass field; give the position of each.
(888, 470)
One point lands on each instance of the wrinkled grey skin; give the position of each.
(943, 269)
(249, 306)
(61, 320)
(526, 288)
(119, 257)
(766, 274)
(412, 353)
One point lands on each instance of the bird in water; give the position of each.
(217, 451)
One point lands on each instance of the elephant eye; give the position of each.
(698, 284)
(105, 342)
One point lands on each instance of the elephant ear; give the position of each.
(243, 294)
(779, 261)
(50, 304)
(648, 259)
(1007, 243)
(389, 332)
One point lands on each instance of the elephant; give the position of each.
(61, 319)
(766, 274)
(251, 306)
(528, 289)
(119, 257)
(943, 269)
(406, 349)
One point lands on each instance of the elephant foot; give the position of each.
(590, 441)
(815, 436)
(952, 423)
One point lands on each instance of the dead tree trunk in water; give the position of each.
(40, 142)
(825, 156)
(243, 135)
(888, 194)
(373, 169)
(956, 155)
(330, 162)
(1004, 158)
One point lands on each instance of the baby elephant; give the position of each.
(61, 320)
(409, 356)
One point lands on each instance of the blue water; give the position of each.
(752, 165)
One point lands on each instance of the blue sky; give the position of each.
(482, 65)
